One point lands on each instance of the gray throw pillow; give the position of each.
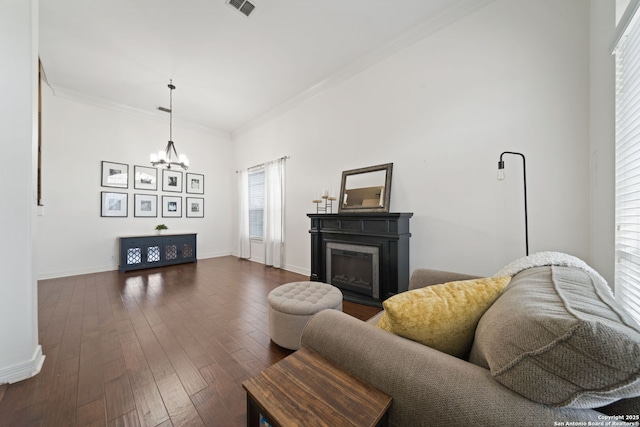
(559, 337)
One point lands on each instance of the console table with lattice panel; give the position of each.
(156, 251)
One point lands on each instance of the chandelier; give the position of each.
(169, 157)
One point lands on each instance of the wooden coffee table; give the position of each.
(307, 389)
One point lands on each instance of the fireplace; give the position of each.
(366, 255)
(354, 267)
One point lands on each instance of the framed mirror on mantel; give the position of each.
(366, 189)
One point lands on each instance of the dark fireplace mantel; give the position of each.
(388, 232)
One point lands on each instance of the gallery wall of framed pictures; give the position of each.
(145, 182)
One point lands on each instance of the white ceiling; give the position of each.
(229, 69)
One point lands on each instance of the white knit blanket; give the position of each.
(541, 259)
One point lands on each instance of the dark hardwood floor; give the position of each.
(158, 347)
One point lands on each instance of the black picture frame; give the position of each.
(114, 175)
(194, 183)
(145, 205)
(145, 178)
(114, 205)
(194, 207)
(171, 207)
(171, 181)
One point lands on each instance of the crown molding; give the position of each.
(416, 34)
(121, 108)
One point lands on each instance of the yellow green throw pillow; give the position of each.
(443, 316)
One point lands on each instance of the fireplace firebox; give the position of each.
(366, 255)
(354, 267)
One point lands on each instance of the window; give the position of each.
(627, 271)
(256, 204)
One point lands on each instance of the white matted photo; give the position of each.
(145, 205)
(195, 183)
(145, 178)
(115, 175)
(195, 207)
(113, 204)
(171, 181)
(172, 206)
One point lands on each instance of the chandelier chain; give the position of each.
(169, 157)
(171, 88)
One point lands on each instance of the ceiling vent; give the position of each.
(244, 7)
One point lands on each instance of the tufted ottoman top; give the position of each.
(304, 298)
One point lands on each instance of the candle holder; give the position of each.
(328, 204)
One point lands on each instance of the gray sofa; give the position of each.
(433, 388)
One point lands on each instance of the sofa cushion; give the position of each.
(442, 316)
(558, 336)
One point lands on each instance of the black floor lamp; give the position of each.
(524, 173)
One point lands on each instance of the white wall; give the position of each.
(602, 137)
(20, 354)
(77, 137)
(512, 76)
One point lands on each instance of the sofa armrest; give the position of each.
(428, 387)
(422, 277)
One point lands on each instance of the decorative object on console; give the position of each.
(366, 189)
(195, 207)
(113, 204)
(145, 178)
(524, 174)
(145, 205)
(195, 183)
(172, 181)
(171, 206)
(115, 175)
(161, 227)
(328, 196)
(166, 158)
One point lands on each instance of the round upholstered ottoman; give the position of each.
(291, 305)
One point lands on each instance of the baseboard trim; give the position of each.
(113, 267)
(100, 269)
(292, 268)
(213, 255)
(76, 272)
(296, 269)
(23, 370)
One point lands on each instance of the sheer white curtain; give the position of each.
(244, 242)
(274, 206)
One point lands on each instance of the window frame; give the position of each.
(627, 162)
(256, 183)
